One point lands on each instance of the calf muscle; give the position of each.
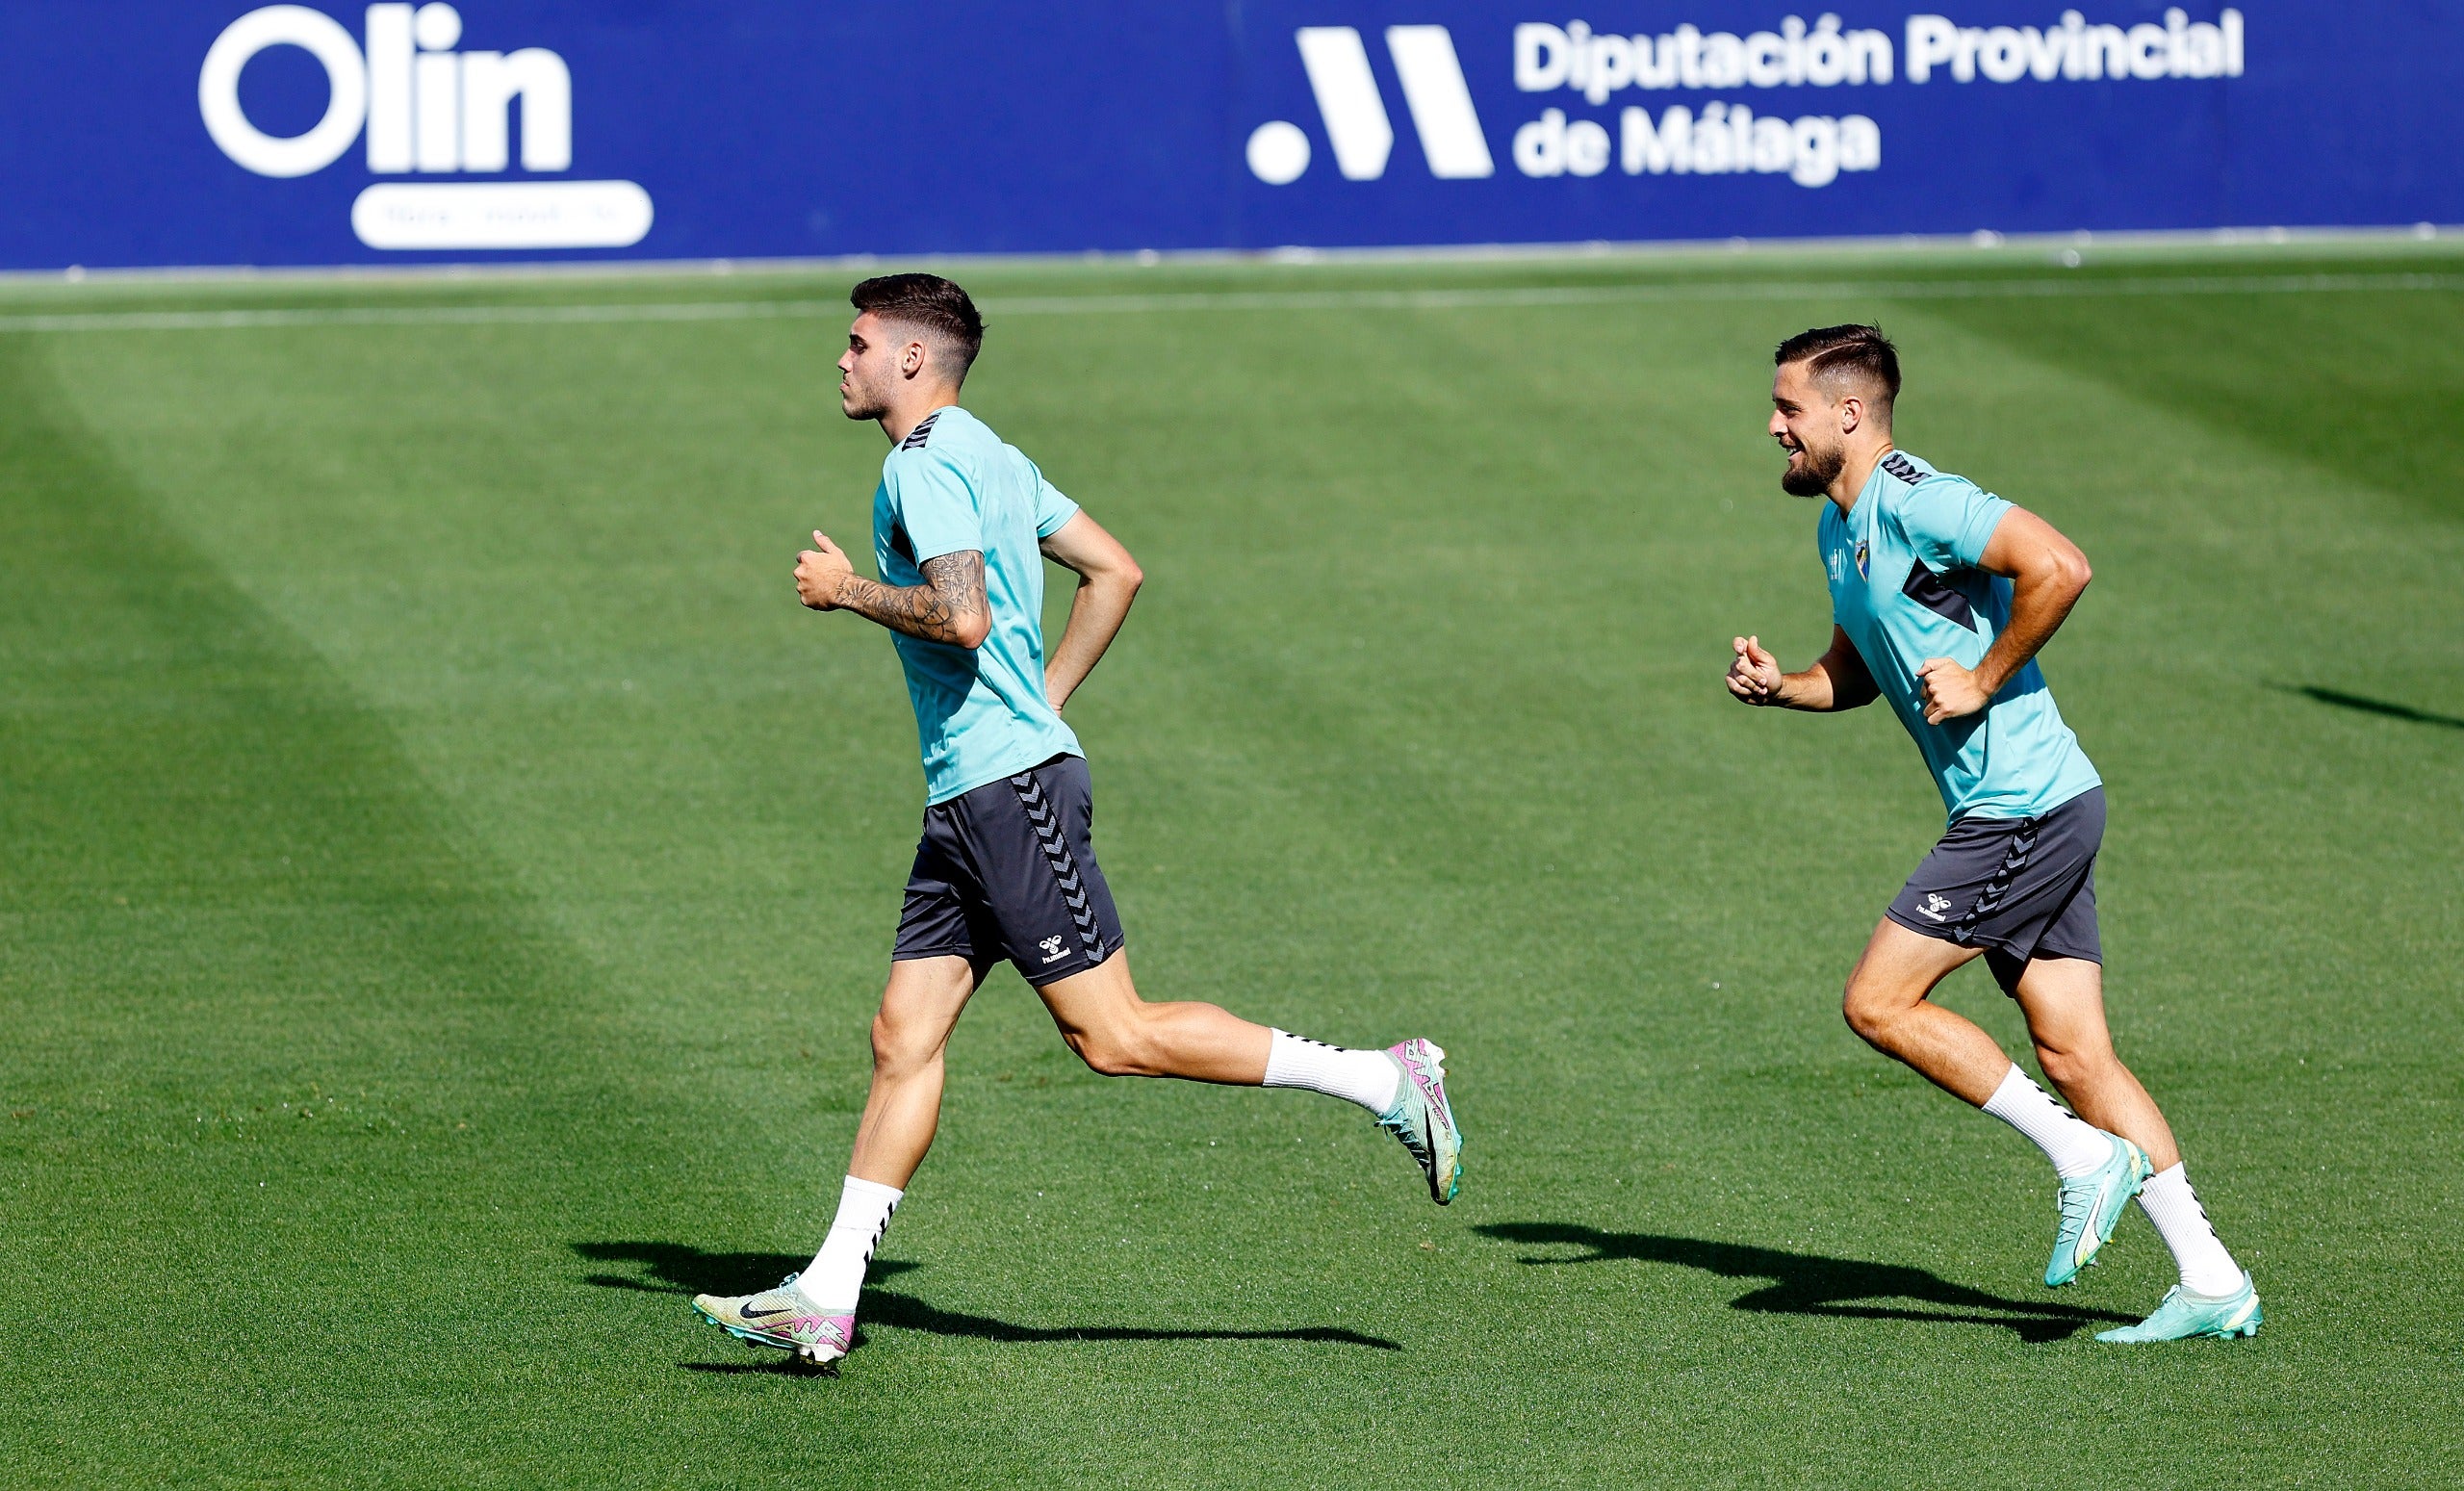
(2064, 1000)
(1117, 1033)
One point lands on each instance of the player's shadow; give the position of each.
(2379, 707)
(682, 1268)
(1809, 1284)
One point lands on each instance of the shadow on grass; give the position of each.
(2368, 706)
(1808, 1284)
(682, 1268)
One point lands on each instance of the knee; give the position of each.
(2069, 1068)
(900, 1046)
(1119, 1048)
(1869, 1014)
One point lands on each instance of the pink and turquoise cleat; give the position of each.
(784, 1319)
(1423, 1119)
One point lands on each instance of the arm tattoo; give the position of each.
(953, 588)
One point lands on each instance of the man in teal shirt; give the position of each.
(951, 486)
(1006, 868)
(1941, 595)
(2016, 760)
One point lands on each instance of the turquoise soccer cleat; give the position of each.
(2184, 1315)
(2092, 1207)
(1423, 1119)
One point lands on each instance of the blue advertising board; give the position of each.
(210, 132)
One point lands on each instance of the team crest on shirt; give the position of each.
(1863, 561)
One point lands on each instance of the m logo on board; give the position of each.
(1354, 115)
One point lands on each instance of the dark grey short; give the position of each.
(2017, 887)
(1007, 871)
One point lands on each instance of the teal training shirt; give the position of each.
(1905, 587)
(951, 485)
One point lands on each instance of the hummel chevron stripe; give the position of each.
(2023, 844)
(922, 432)
(1056, 852)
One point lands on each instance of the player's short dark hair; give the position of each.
(931, 304)
(1858, 351)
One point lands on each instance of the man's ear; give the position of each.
(911, 359)
(1852, 413)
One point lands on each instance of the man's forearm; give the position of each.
(2039, 605)
(948, 607)
(2048, 575)
(1828, 687)
(1810, 690)
(917, 611)
(1096, 612)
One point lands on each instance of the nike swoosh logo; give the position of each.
(752, 1314)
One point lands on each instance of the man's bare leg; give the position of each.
(1118, 1034)
(920, 1007)
(814, 1313)
(1888, 1004)
(1113, 1030)
(2064, 999)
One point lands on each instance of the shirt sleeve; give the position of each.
(1052, 509)
(935, 504)
(1948, 521)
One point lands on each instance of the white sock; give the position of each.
(1369, 1078)
(2074, 1145)
(2171, 1203)
(837, 1272)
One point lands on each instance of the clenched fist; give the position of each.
(1950, 691)
(819, 573)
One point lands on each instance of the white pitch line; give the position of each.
(417, 316)
(1713, 291)
(1477, 298)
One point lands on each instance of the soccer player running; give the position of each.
(1005, 870)
(1941, 596)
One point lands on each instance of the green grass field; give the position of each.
(445, 879)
